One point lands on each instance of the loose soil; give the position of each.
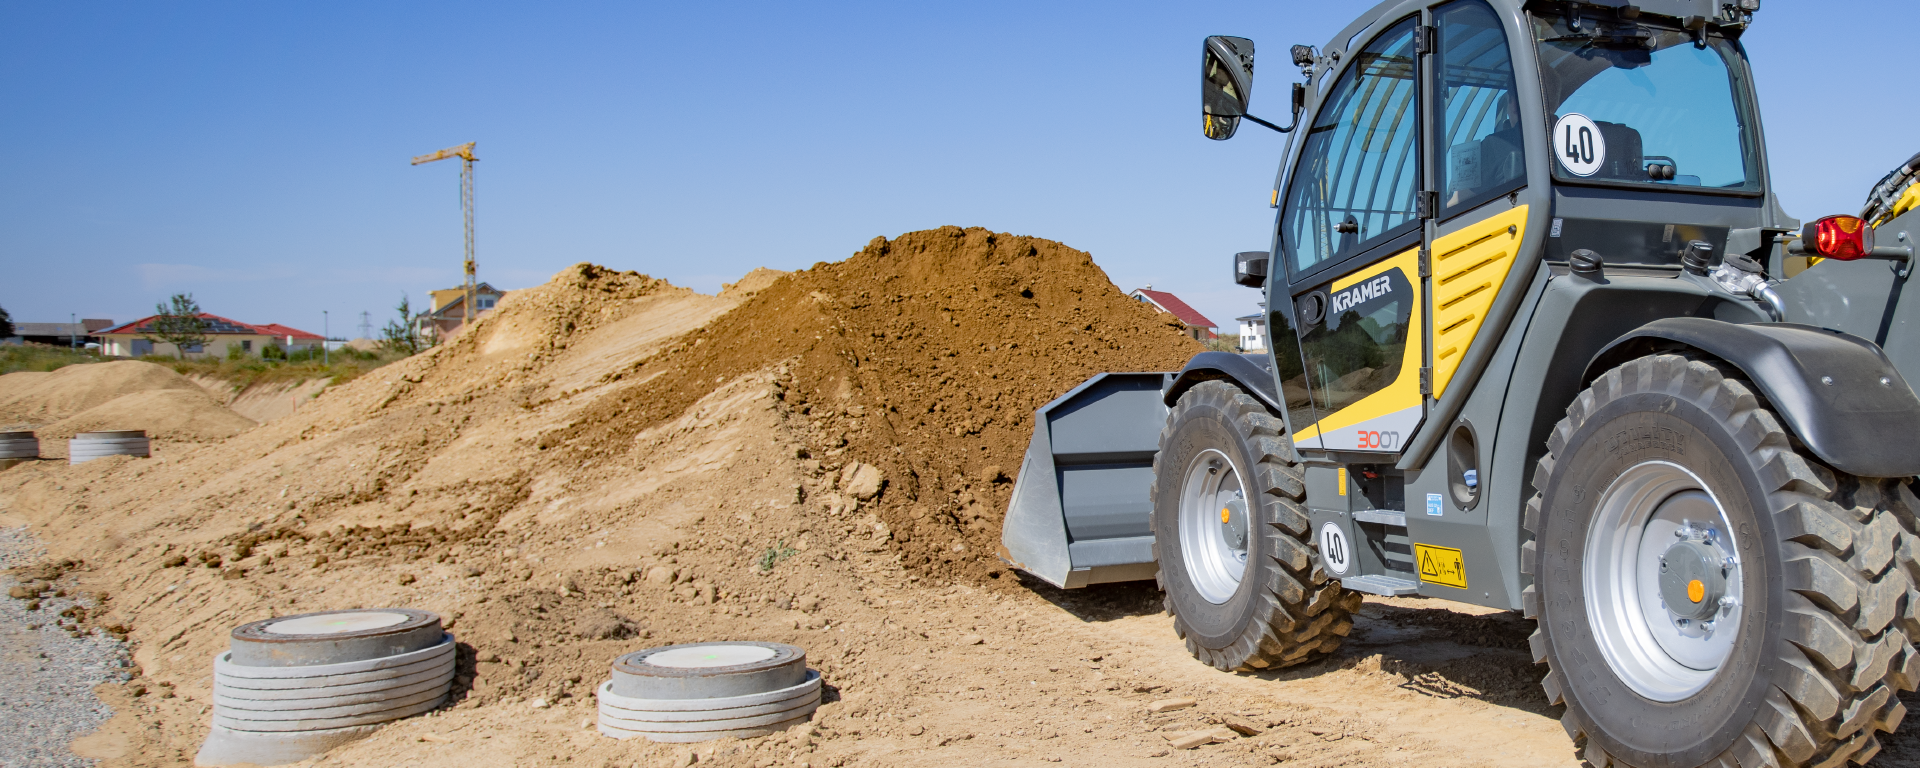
(30, 399)
(609, 462)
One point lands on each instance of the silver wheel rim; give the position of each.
(1654, 511)
(1215, 561)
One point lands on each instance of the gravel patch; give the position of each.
(46, 675)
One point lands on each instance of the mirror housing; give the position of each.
(1250, 268)
(1226, 84)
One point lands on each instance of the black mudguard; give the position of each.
(1838, 392)
(1251, 372)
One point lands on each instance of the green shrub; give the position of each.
(39, 357)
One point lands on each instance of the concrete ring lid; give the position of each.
(111, 434)
(332, 637)
(709, 670)
(610, 701)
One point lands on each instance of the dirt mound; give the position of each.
(608, 461)
(35, 399)
(925, 356)
(176, 415)
(752, 282)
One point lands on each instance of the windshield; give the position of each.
(1638, 103)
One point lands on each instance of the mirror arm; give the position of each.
(1288, 129)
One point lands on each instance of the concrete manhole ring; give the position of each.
(330, 637)
(705, 691)
(291, 687)
(709, 670)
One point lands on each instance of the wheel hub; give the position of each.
(1233, 525)
(1214, 525)
(1693, 578)
(1663, 582)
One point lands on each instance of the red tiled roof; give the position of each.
(1179, 309)
(217, 325)
(276, 329)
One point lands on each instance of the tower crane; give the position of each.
(465, 153)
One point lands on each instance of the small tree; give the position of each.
(6, 323)
(178, 322)
(399, 335)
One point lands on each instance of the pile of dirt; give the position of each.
(608, 461)
(924, 356)
(31, 399)
(175, 415)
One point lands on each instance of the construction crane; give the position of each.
(465, 153)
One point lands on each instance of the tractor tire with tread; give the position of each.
(1830, 563)
(1284, 610)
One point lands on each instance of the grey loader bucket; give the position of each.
(1081, 507)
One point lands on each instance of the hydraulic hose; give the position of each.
(1770, 299)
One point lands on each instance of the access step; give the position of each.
(1386, 586)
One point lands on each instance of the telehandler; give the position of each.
(1542, 339)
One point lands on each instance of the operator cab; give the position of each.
(1433, 139)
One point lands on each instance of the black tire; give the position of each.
(1285, 611)
(1827, 562)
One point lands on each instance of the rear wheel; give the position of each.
(1706, 594)
(1243, 584)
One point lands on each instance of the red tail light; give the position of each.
(1838, 237)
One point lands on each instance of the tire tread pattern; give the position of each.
(1851, 564)
(1301, 615)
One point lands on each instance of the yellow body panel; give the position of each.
(1404, 392)
(1469, 266)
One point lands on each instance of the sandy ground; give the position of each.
(262, 401)
(606, 463)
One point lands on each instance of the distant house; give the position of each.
(1197, 325)
(1253, 332)
(131, 340)
(60, 334)
(449, 310)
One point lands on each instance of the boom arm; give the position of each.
(464, 152)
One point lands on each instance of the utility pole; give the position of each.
(326, 331)
(465, 153)
(366, 325)
(73, 331)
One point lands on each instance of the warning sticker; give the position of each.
(1440, 565)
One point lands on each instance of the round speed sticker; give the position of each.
(1334, 551)
(1578, 144)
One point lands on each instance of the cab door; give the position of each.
(1480, 162)
(1350, 238)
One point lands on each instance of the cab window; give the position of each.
(1357, 345)
(1642, 102)
(1359, 166)
(1482, 150)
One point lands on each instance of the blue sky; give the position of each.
(256, 153)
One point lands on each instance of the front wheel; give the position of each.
(1707, 595)
(1230, 537)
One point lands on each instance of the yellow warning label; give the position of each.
(1343, 481)
(1441, 565)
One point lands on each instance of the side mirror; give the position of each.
(1226, 84)
(1250, 268)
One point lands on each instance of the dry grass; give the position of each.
(40, 357)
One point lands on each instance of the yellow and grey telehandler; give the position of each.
(1541, 339)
